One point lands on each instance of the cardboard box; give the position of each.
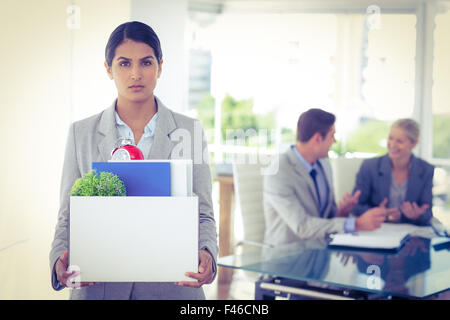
(134, 239)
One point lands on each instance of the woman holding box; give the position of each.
(133, 59)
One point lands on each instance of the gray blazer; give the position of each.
(291, 206)
(374, 180)
(93, 139)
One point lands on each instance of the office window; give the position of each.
(441, 84)
(383, 89)
(387, 82)
(267, 68)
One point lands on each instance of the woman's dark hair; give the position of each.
(136, 31)
(312, 121)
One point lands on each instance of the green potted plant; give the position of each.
(104, 185)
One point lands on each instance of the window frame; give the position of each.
(425, 11)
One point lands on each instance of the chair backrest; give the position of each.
(248, 184)
(344, 175)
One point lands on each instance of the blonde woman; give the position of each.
(398, 180)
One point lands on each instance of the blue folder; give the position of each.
(140, 178)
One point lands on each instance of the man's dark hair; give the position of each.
(312, 121)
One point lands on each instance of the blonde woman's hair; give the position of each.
(411, 128)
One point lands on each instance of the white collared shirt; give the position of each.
(146, 141)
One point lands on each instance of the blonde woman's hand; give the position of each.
(412, 210)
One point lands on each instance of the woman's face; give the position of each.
(399, 145)
(135, 71)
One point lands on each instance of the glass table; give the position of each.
(310, 268)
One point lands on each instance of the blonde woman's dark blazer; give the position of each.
(374, 180)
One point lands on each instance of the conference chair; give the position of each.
(344, 175)
(248, 184)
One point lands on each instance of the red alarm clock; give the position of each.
(127, 151)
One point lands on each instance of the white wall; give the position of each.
(92, 90)
(33, 126)
(168, 18)
(38, 52)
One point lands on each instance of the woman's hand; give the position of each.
(66, 277)
(412, 210)
(205, 272)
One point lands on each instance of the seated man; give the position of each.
(299, 199)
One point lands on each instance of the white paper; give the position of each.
(389, 236)
(180, 178)
(133, 239)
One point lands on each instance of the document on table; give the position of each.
(389, 236)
